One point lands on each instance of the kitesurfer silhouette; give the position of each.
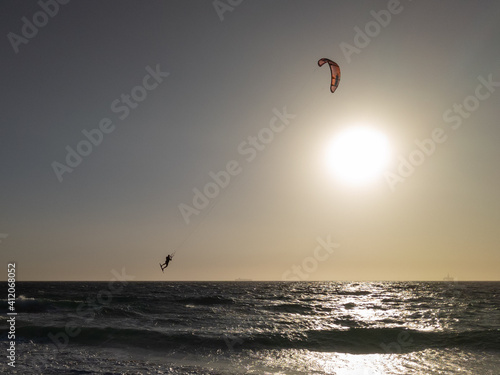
(167, 260)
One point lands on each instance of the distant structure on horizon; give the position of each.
(240, 279)
(449, 278)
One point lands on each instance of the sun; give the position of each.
(358, 155)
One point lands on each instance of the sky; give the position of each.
(117, 116)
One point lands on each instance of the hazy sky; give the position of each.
(175, 89)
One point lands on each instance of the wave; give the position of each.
(40, 305)
(24, 304)
(353, 340)
(290, 308)
(121, 306)
(210, 300)
(353, 293)
(396, 340)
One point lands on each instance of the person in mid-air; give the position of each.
(167, 260)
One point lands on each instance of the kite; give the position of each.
(335, 70)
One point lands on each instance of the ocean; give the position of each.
(342, 328)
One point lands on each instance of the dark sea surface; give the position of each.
(342, 328)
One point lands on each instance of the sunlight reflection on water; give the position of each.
(427, 362)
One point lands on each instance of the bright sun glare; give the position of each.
(358, 155)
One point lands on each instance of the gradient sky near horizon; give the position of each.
(119, 208)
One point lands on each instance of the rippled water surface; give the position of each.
(256, 328)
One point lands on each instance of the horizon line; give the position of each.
(250, 281)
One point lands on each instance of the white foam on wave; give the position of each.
(22, 297)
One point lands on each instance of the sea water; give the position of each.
(342, 328)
